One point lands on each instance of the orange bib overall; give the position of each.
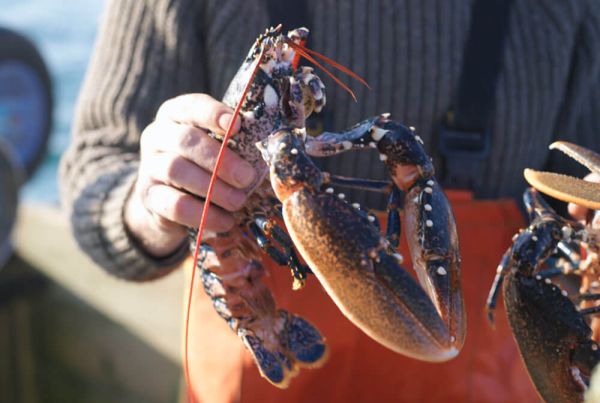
(488, 369)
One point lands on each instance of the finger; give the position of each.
(200, 110)
(184, 209)
(179, 172)
(578, 212)
(195, 145)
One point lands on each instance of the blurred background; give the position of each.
(68, 332)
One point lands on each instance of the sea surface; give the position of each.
(64, 32)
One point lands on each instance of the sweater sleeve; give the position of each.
(579, 120)
(147, 51)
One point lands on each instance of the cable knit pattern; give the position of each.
(410, 51)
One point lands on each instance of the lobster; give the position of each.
(555, 340)
(341, 242)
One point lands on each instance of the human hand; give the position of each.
(578, 212)
(176, 160)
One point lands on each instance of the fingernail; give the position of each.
(244, 176)
(224, 120)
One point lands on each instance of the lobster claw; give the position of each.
(553, 337)
(567, 188)
(365, 282)
(355, 264)
(433, 244)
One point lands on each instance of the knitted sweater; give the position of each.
(410, 52)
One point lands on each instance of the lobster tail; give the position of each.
(298, 344)
(303, 341)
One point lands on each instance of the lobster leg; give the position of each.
(358, 183)
(590, 311)
(589, 297)
(394, 226)
(265, 244)
(263, 226)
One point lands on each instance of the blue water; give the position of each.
(64, 31)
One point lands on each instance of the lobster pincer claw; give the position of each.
(553, 337)
(357, 265)
(567, 188)
(434, 249)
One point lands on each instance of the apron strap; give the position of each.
(465, 137)
(291, 14)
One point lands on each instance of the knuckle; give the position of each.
(172, 168)
(189, 137)
(165, 108)
(178, 208)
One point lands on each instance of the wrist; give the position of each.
(156, 238)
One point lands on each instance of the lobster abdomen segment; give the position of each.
(350, 259)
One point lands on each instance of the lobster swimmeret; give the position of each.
(556, 342)
(342, 244)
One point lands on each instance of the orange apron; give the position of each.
(488, 369)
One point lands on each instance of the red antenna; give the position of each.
(306, 53)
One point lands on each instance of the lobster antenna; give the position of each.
(308, 57)
(306, 53)
(335, 64)
(207, 199)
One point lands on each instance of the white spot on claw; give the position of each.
(566, 232)
(294, 151)
(428, 207)
(419, 139)
(441, 271)
(371, 218)
(412, 128)
(547, 281)
(383, 157)
(372, 144)
(564, 293)
(430, 182)
(270, 96)
(356, 205)
(429, 223)
(377, 133)
(399, 257)
(342, 196)
(538, 277)
(428, 190)
(329, 190)
(594, 347)
(534, 238)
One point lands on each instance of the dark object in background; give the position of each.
(11, 177)
(25, 122)
(25, 99)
